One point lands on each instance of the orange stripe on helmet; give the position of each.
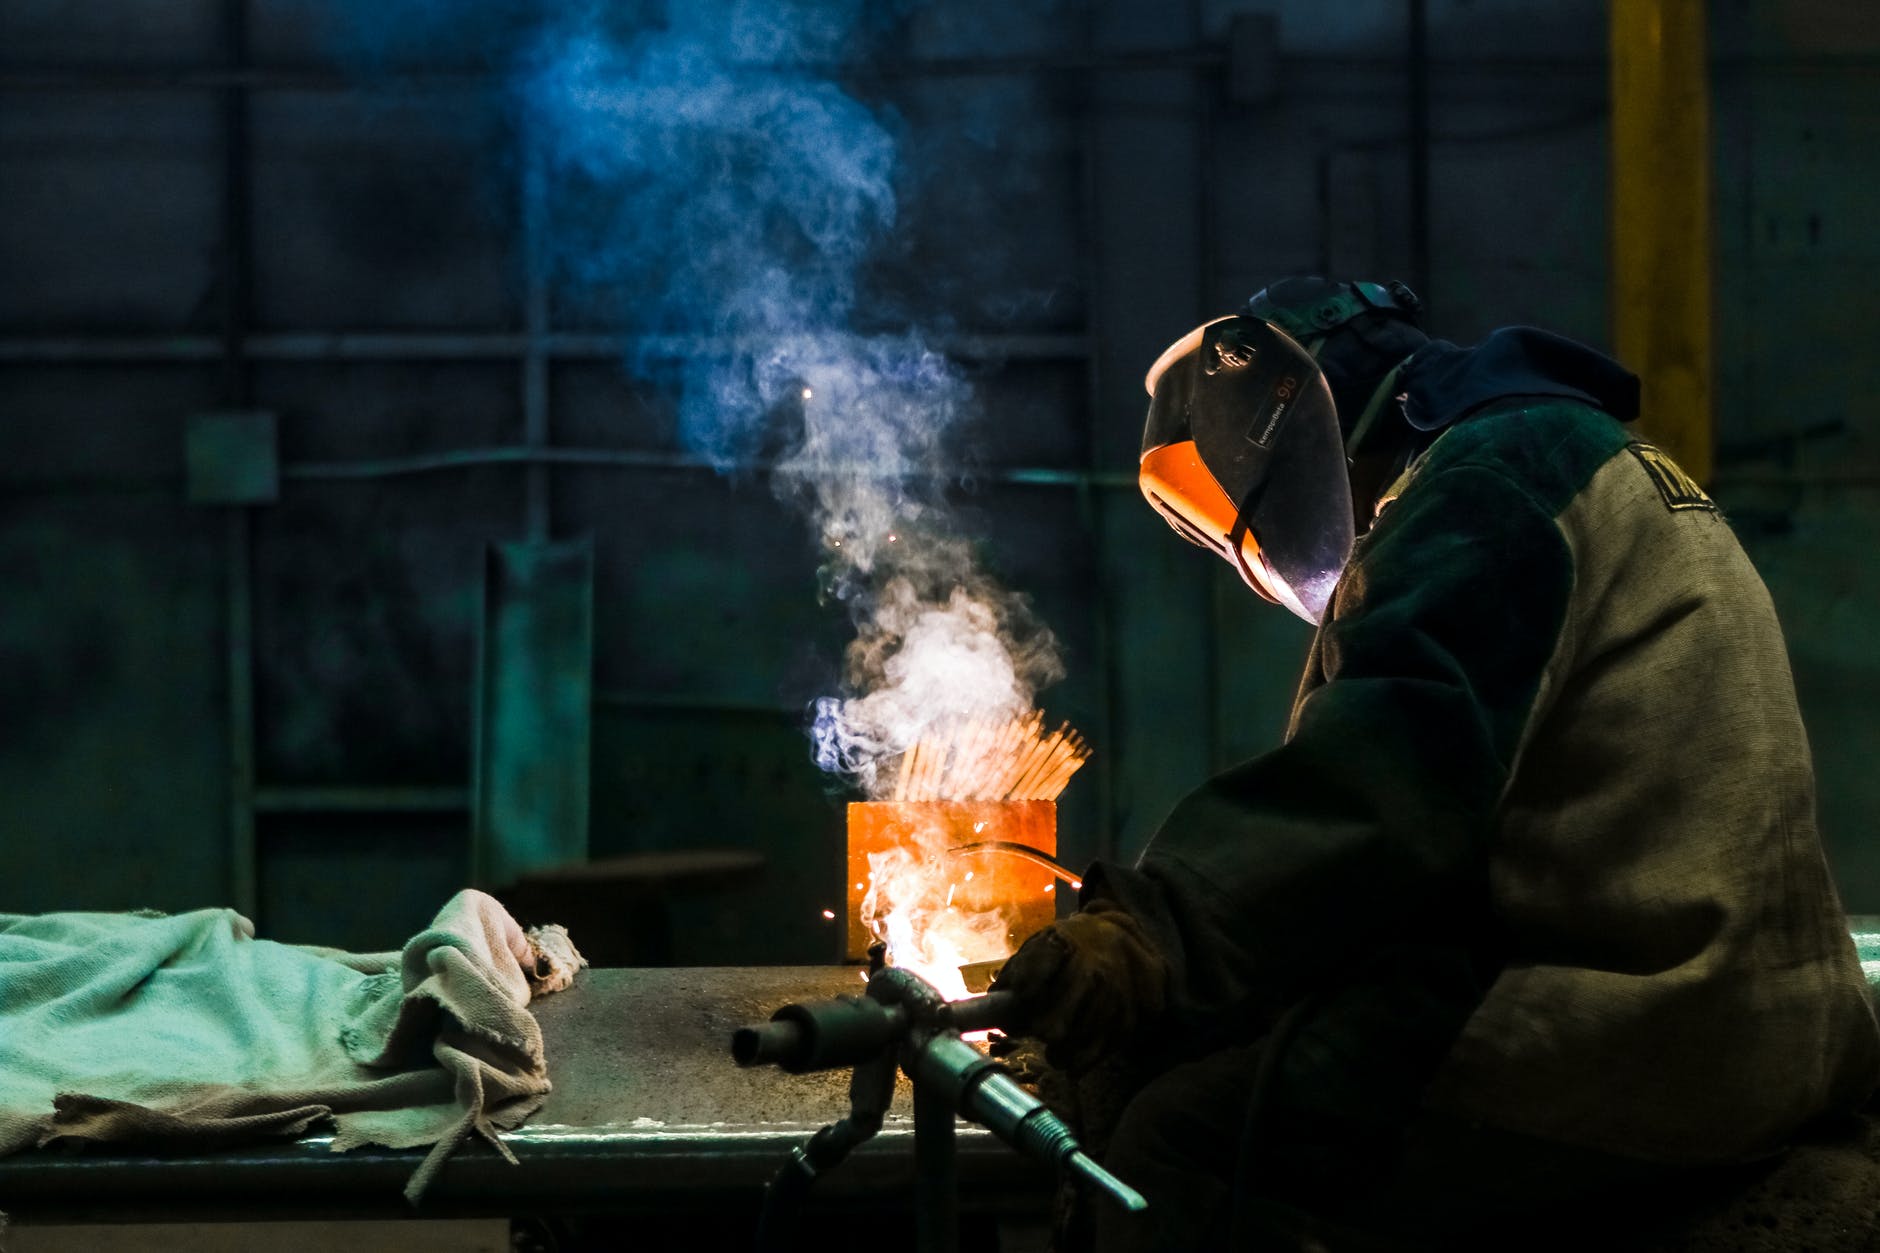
(1178, 486)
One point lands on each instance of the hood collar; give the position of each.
(1442, 383)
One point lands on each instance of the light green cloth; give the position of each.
(187, 1031)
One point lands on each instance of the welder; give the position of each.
(1528, 910)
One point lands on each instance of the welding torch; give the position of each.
(903, 1018)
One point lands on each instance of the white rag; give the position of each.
(187, 1031)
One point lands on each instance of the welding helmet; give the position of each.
(1246, 451)
(1242, 455)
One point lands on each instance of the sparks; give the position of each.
(829, 914)
(916, 906)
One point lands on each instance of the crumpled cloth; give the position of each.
(186, 1032)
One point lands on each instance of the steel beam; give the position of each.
(1661, 254)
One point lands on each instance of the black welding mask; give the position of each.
(1242, 454)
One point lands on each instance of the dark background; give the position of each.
(317, 236)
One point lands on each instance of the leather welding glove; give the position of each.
(1085, 985)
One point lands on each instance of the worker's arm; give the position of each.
(1369, 826)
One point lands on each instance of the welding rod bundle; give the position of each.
(981, 760)
(902, 1021)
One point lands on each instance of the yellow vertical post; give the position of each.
(1661, 275)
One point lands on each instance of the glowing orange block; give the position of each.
(977, 880)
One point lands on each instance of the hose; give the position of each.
(1025, 852)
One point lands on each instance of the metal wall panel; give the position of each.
(677, 779)
(72, 426)
(534, 705)
(706, 589)
(349, 411)
(1819, 568)
(1077, 172)
(109, 214)
(988, 187)
(598, 404)
(92, 33)
(1550, 30)
(1262, 652)
(112, 747)
(382, 212)
(1028, 414)
(365, 619)
(1165, 677)
(366, 882)
(1798, 185)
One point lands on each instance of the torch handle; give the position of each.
(981, 1013)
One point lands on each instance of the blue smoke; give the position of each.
(693, 194)
(702, 174)
(698, 186)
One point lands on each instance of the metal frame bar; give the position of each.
(937, 1172)
(1418, 108)
(1207, 252)
(425, 346)
(373, 800)
(243, 787)
(1090, 504)
(533, 187)
(282, 78)
(236, 390)
(600, 458)
(532, 456)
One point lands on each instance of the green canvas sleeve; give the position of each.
(1368, 827)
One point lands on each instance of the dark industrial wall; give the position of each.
(207, 206)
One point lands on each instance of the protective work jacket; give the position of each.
(1549, 716)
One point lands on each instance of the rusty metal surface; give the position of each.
(649, 1049)
(648, 1111)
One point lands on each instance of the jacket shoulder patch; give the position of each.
(1680, 490)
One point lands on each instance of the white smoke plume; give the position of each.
(707, 173)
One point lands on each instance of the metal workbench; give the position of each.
(647, 1113)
